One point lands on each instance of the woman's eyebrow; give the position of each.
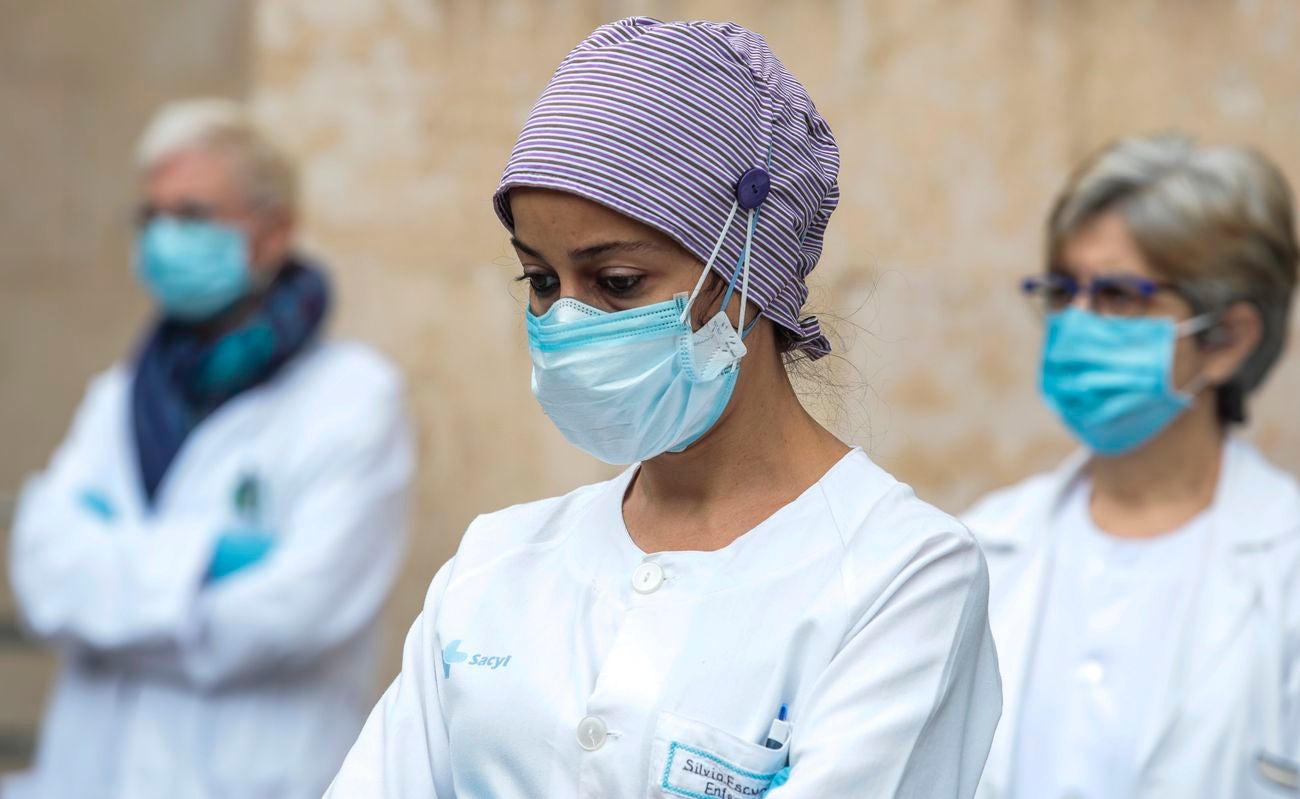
(594, 250)
(524, 248)
(608, 247)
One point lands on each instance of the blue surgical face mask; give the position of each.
(1111, 379)
(194, 270)
(630, 385)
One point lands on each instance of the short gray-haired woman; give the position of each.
(1145, 597)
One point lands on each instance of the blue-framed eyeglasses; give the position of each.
(1117, 295)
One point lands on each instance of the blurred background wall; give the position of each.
(957, 122)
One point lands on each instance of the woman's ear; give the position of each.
(1228, 345)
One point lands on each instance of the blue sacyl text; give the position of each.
(451, 654)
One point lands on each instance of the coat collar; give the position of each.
(1254, 503)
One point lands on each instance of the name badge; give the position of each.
(694, 772)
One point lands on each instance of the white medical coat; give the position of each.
(537, 669)
(1234, 695)
(253, 686)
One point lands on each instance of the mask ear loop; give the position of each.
(741, 274)
(1195, 326)
(704, 274)
(741, 330)
(750, 193)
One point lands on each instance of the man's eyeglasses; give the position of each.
(185, 211)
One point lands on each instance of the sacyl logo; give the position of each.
(452, 654)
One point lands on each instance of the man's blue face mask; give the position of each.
(1110, 379)
(193, 269)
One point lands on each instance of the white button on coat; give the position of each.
(648, 577)
(856, 570)
(592, 733)
(1090, 672)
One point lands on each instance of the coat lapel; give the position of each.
(1019, 552)
(1253, 505)
(1015, 624)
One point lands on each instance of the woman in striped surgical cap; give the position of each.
(753, 608)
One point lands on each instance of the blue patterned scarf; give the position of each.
(182, 376)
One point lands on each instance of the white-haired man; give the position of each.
(210, 546)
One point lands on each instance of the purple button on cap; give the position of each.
(752, 188)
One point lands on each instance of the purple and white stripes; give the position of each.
(658, 121)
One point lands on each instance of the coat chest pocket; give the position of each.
(695, 760)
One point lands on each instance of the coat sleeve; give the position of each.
(403, 750)
(908, 706)
(86, 582)
(333, 564)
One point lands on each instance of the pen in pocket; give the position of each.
(779, 732)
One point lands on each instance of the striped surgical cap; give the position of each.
(658, 121)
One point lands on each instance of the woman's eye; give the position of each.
(1058, 296)
(193, 212)
(1115, 296)
(1112, 299)
(619, 285)
(541, 284)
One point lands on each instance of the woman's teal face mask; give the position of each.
(194, 270)
(630, 385)
(1110, 379)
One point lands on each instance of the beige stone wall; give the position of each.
(957, 122)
